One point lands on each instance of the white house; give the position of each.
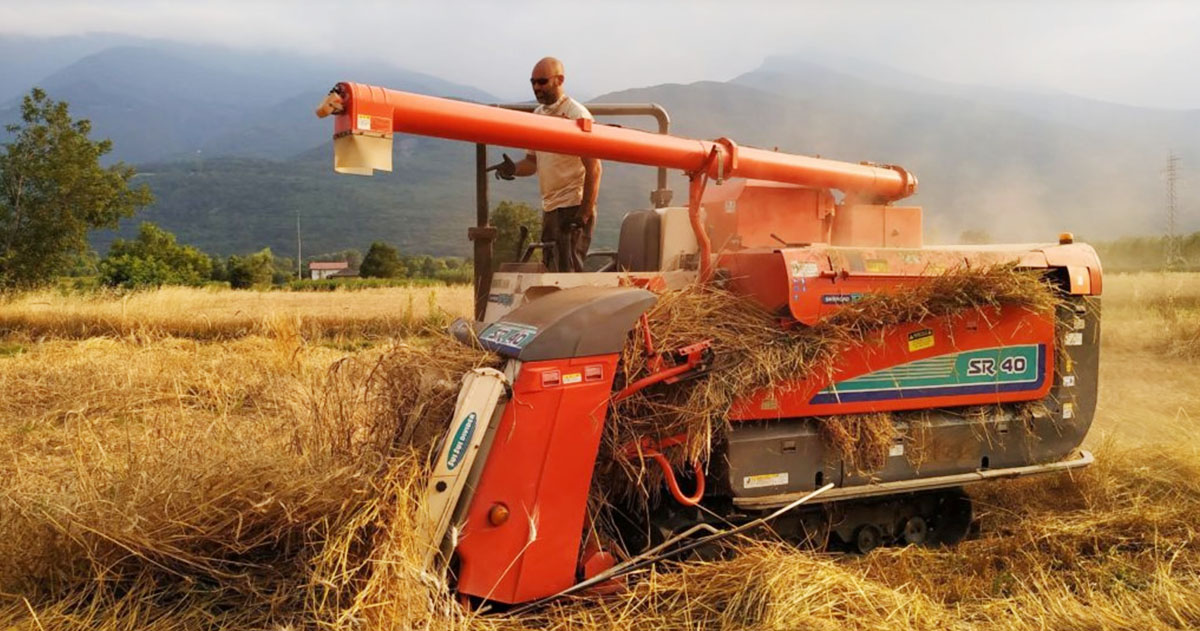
(328, 269)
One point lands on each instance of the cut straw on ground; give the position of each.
(268, 482)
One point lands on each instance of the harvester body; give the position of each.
(803, 237)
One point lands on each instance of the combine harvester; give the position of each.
(506, 504)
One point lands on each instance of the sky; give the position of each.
(1134, 53)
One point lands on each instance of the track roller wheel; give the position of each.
(866, 538)
(952, 521)
(916, 530)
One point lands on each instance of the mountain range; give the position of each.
(227, 141)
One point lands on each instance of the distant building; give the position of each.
(329, 269)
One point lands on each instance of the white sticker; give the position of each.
(730, 205)
(896, 450)
(1078, 324)
(575, 377)
(766, 479)
(1068, 411)
(1068, 381)
(1073, 339)
(364, 121)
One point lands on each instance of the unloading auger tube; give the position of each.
(367, 116)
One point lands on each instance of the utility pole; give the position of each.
(299, 258)
(1173, 253)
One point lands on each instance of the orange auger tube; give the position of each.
(372, 110)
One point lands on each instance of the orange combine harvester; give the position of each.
(505, 509)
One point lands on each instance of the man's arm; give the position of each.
(527, 166)
(591, 186)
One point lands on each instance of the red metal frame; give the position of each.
(540, 467)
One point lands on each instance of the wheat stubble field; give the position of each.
(194, 459)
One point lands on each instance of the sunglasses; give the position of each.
(540, 82)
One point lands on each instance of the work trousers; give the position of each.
(571, 237)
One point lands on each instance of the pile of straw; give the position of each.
(752, 351)
(861, 440)
(208, 486)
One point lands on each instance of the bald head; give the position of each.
(547, 80)
(548, 66)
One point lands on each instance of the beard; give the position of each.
(545, 97)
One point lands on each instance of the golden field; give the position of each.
(221, 314)
(197, 459)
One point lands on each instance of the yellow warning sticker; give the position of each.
(920, 340)
(766, 479)
(575, 377)
(877, 266)
(364, 122)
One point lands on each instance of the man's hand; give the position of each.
(587, 214)
(506, 170)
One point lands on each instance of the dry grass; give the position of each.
(267, 483)
(222, 314)
(1163, 312)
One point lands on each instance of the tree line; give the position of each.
(1130, 254)
(155, 258)
(54, 191)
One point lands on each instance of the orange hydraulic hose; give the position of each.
(646, 382)
(374, 110)
(673, 483)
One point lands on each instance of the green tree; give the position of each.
(283, 270)
(154, 259)
(508, 217)
(86, 263)
(254, 270)
(220, 270)
(431, 266)
(381, 261)
(463, 274)
(53, 191)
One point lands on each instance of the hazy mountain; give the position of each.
(159, 100)
(1181, 129)
(424, 205)
(24, 60)
(1010, 162)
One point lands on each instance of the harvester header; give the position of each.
(367, 116)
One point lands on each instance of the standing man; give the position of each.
(569, 183)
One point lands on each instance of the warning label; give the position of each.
(920, 340)
(766, 479)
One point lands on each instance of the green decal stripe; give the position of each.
(1001, 364)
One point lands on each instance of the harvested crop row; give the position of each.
(269, 483)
